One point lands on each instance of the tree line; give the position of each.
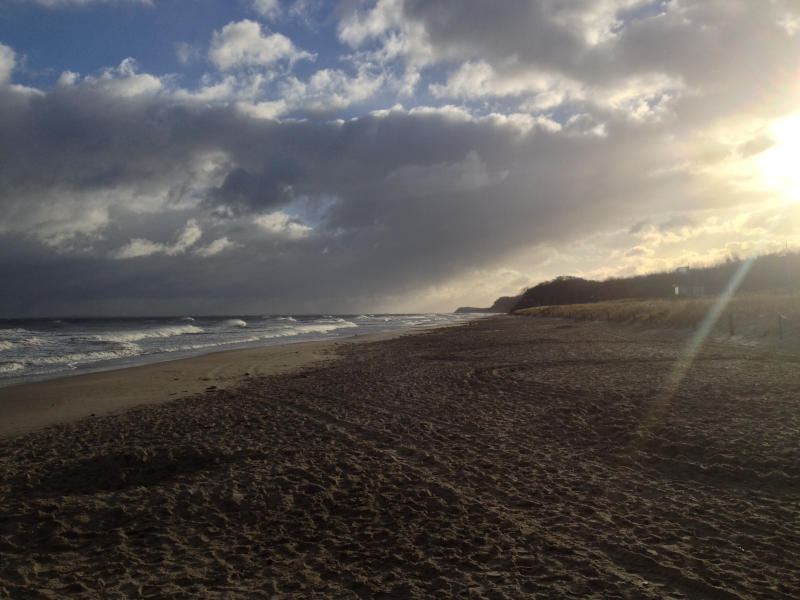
(776, 271)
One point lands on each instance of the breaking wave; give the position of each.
(142, 334)
(311, 328)
(235, 323)
(127, 350)
(10, 367)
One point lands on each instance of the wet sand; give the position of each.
(512, 458)
(28, 407)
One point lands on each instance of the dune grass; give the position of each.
(750, 314)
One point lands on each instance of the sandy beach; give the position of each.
(514, 457)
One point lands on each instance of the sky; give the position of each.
(173, 157)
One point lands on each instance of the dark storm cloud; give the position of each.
(248, 191)
(485, 190)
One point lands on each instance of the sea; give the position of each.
(39, 349)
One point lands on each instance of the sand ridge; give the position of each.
(512, 458)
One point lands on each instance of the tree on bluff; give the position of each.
(776, 271)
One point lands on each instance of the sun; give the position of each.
(780, 164)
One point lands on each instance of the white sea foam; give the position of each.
(187, 318)
(248, 340)
(10, 367)
(72, 360)
(6, 345)
(18, 336)
(141, 334)
(310, 328)
(235, 323)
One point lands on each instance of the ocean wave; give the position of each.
(72, 360)
(141, 334)
(349, 324)
(311, 328)
(218, 344)
(15, 330)
(16, 337)
(235, 323)
(10, 367)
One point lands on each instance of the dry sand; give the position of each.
(512, 458)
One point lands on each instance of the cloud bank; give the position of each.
(446, 154)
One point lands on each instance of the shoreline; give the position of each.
(31, 406)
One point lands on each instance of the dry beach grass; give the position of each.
(754, 315)
(511, 458)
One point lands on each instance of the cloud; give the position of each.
(7, 63)
(282, 224)
(186, 53)
(219, 245)
(512, 157)
(140, 247)
(125, 81)
(357, 27)
(331, 89)
(269, 9)
(243, 44)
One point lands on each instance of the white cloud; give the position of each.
(331, 89)
(479, 79)
(790, 23)
(640, 98)
(54, 217)
(68, 78)
(264, 110)
(243, 44)
(269, 9)
(123, 81)
(240, 87)
(397, 36)
(282, 224)
(140, 247)
(595, 21)
(188, 237)
(7, 62)
(215, 247)
(137, 248)
(358, 27)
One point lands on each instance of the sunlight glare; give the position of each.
(779, 164)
